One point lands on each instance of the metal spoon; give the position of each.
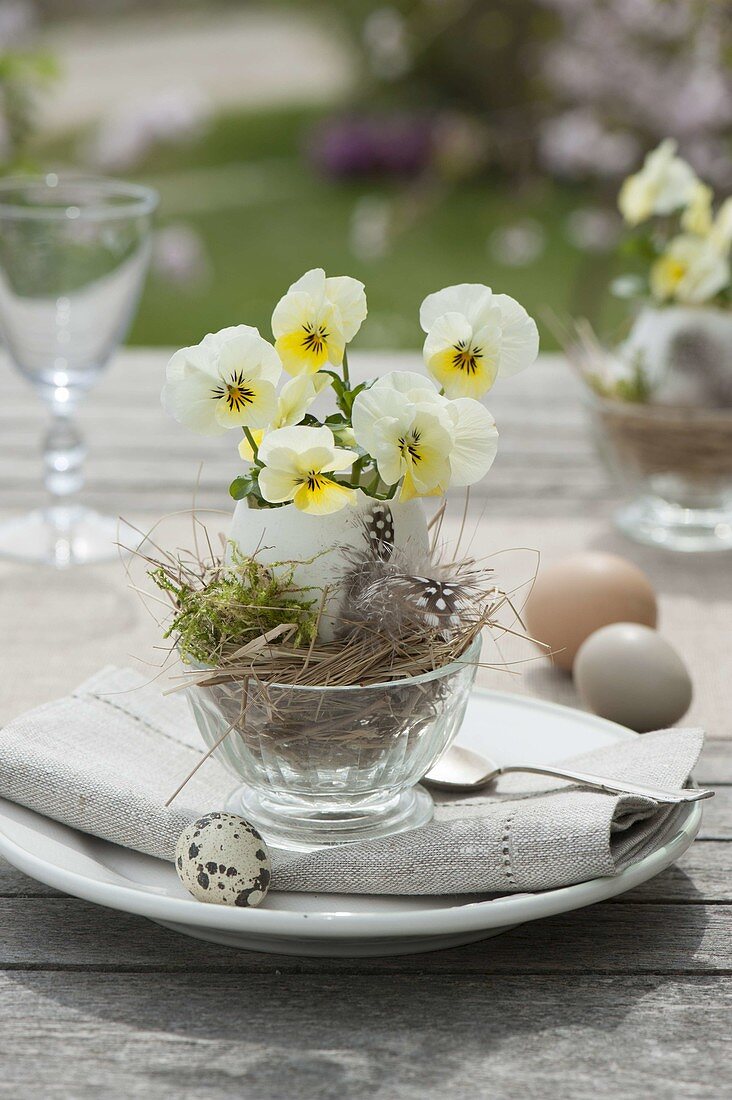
(462, 769)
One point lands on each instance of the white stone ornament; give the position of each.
(222, 859)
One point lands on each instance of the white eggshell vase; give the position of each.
(316, 547)
(686, 352)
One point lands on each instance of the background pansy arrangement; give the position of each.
(684, 242)
(401, 436)
(678, 350)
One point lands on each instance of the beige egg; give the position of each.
(631, 675)
(575, 597)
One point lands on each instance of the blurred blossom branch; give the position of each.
(626, 73)
(582, 87)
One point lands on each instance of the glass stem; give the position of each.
(63, 458)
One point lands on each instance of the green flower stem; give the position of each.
(252, 444)
(388, 492)
(346, 375)
(357, 469)
(373, 487)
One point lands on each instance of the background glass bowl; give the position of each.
(675, 465)
(321, 766)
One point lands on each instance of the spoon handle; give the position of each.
(690, 794)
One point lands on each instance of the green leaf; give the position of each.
(350, 396)
(643, 246)
(241, 487)
(338, 384)
(359, 389)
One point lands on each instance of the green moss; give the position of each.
(235, 606)
(634, 388)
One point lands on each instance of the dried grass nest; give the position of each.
(695, 444)
(236, 619)
(247, 639)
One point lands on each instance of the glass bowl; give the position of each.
(322, 766)
(675, 465)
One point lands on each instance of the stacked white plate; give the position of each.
(506, 728)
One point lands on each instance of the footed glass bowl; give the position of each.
(323, 766)
(675, 465)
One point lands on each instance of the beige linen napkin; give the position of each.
(105, 759)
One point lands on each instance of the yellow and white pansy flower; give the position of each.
(692, 270)
(421, 438)
(297, 465)
(226, 381)
(664, 184)
(412, 446)
(315, 320)
(473, 336)
(474, 441)
(721, 230)
(697, 216)
(294, 400)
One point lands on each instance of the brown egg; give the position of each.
(578, 595)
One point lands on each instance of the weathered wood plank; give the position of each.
(717, 817)
(139, 455)
(14, 884)
(715, 764)
(323, 1037)
(703, 874)
(61, 933)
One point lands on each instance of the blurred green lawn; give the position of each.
(266, 217)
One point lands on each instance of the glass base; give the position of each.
(293, 825)
(63, 536)
(657, 522)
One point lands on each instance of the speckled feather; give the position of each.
(387, 590)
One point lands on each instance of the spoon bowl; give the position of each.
(462, 770)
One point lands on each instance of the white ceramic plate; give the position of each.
(504, 727)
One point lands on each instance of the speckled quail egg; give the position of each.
(221, 858)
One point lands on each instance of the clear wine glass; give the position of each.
(73, 257)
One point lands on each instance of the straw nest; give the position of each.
(274, 700)
(692, 444)
(233, 624)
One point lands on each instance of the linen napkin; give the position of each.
(105, 759)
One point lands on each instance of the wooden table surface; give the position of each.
(630, 998)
